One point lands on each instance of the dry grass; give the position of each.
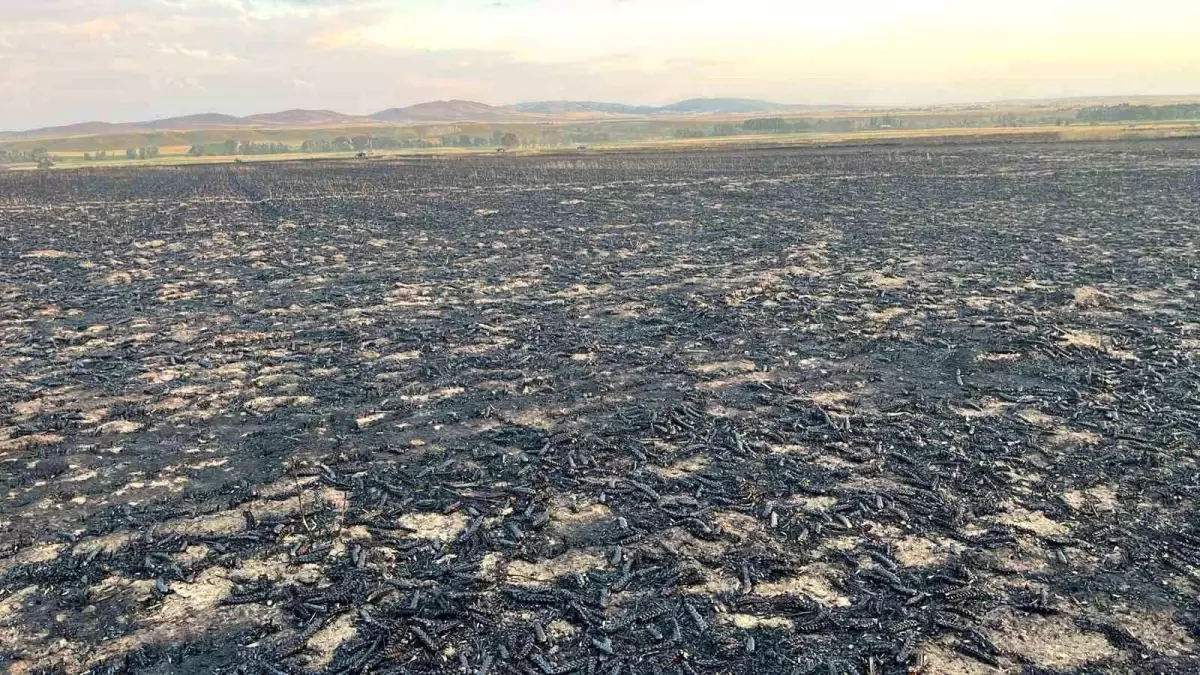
(522, 573)
(1053, 642)
(1098, 498)
(1089, 296)
(434, 526)
(813, 582)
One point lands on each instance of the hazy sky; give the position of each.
(121, 60)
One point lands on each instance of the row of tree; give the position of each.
(465, 141)
(42, 155)
(147, 152)
(11, 154)
(362, 144)
(39, 154)
(760, 125)
(236, 147)
(779, 125)
(368, 143)
(1140, 113)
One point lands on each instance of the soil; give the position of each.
(871, 411)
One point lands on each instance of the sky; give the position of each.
(64, 61)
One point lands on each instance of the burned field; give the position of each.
(857, 411)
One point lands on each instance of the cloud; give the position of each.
(268, 9)
(178, 49)
(92, 28)
(790, 33)
(182, 83)
(68, 57)
(122, 64)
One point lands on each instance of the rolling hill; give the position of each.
(431, 112)
(720, 106)
(448, 111)
(195, 122)
(694, 106)
(575, 107)
(306, 117)
(80, 129)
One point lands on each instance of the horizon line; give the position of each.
(842, 106)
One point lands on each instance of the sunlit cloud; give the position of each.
(93, 28)
(178, 49)
(882, 36)
(66, 57)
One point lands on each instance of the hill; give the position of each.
(693, 106)
(195, 122)
(448, 111)
(720, 105)
(454, 110)
(575, 107)
(80, 129)
(727, 106)
(305, 117)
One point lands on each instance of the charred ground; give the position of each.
(854, 411)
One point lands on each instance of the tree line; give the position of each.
(772, 125)
(145, 152)
(11, 154)
(368, 143)
(236, 147)
(353, 144)
(362, 144)
(1140, 113)
(40, 155)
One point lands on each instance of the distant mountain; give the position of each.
(201, 122)
(694, 106)
(447, 111)
(305, 117)
(720, 105)
(434, 111)
(80, 129)
(569, 107)
(195, 122)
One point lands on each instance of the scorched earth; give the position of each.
(888, 410)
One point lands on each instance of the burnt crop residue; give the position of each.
(755, 411)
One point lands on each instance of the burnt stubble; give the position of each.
(885, 410)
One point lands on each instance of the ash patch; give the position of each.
(883, 411)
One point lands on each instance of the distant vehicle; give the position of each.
(501, 149)
(582, 147)
(360, 154)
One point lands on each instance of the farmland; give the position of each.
(464, 127)
(854, 410)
